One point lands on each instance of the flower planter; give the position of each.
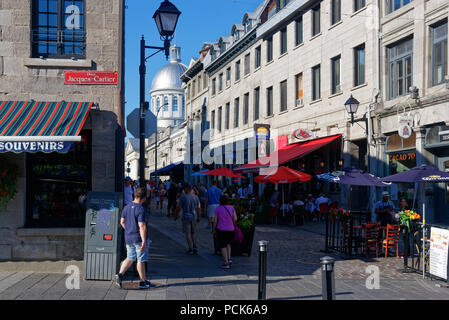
(238, 249)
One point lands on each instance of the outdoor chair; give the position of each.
(392, 239)
(371, 240)
(351, 238)
(323, 210)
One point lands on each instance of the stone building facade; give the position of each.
(32, 66)
(293, 65)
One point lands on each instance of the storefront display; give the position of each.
(401, 156)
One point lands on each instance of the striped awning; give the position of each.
(40, 121)
(35, 118)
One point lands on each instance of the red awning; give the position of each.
(288, 153)
(224, 172)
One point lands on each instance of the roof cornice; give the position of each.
(241, 45)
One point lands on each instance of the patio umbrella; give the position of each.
(353, 177)
(200, 173)
(224, 172)
(282, 175)
(420, 174)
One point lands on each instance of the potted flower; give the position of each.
(246, 224)
(8, 183)
(408, 218)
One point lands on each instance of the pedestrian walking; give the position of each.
(223, 229)
(212, 202)
(172, 195)
(191, 211)
(128, 191)
(310, 207)
(202, 196)
(136, 238)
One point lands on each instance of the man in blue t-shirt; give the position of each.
(213, 196)
(134, 224)
(385, 209)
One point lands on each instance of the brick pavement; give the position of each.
(293, 272)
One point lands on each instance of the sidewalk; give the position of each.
(293, 273)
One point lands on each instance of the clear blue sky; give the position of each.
(200, 21)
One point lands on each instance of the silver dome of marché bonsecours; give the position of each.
(169, 76)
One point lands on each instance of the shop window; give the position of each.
(58, 29)
(395, 142)
(401, 156)
(57, 186)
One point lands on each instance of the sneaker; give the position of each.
(195, 250)
(118, 280)
(146, 285)
(226, 266)
(230, 262)
(190, 251)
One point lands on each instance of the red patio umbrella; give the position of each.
(224, 172)
(282, 175)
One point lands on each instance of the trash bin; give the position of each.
(102, 238)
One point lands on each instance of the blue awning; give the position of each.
(167, 169)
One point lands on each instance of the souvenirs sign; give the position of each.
(33, 147)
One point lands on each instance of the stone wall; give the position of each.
(23, 78)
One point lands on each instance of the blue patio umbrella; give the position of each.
(200, 173)
(420, 174)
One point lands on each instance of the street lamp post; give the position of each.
(155, 146)
(166, 18)
(352, 106)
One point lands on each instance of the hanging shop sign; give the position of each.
(405, 131)
(91, 77)
(302, 134)
(439, 248)
(33, 147)
(262, 131)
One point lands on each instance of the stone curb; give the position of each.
(58, 267)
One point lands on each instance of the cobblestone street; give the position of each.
(293, 272)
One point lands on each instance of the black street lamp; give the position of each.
(352, 105)
(166, 18)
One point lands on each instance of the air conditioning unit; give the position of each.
(228, 83)
(337, 88)
(299, 102)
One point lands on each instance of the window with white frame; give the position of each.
(335, 75)
(393, 5)
(400, 71)
(439, 52)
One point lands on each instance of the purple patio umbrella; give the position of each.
(352, 177)
(421, 174)
(355, 177)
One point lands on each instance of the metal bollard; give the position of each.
(328, 278)
(262, 270)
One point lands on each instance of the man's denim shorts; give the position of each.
(134, 253)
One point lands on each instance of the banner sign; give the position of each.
(439, 250)
(91, 77)
(33, 147)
